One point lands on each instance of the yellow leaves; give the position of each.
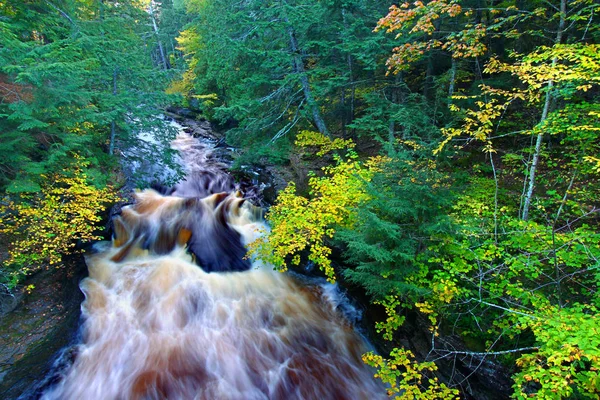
(445, 290)
(420, 18)
(595, 161)
(407, 378)
(425, 307)
(410, 144)
(326, 145)
(477, 123)
(300, 224)
(188, 41)
(561, 63)
(46, 226)
(576, 65)
(391, 303)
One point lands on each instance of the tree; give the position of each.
(89, 81)
(77, 86)
(273, 69)
(472, 41)
(299, 224)
(446, 235)
(45, 226)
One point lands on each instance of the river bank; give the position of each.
(48, 320)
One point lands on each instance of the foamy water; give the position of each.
(157, 325)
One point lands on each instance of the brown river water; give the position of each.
(174, 309)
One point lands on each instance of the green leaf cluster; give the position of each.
(75, 77)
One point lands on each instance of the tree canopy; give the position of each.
(454, 148)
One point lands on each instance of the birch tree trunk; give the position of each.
(452, 80)
(111, 145)
(545, 111)
(163, 58)
(350, 117)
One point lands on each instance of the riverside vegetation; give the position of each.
(455, 146)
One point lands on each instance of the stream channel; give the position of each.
(174, 309)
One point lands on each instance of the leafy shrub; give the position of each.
(299, 223)
(47, 225)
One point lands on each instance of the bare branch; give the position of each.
(489, 353)
(64, 14)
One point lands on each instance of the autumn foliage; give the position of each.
(48, 225)
(487, 228)
(422, 20)
(300, 223)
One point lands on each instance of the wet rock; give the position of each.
(41, 324)
(181, 112)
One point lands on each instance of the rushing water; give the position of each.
(174, 310)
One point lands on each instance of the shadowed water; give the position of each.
(174, 310)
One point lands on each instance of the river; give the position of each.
(174, 309)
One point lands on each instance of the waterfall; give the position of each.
(174, 309)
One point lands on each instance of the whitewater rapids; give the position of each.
(174, 310)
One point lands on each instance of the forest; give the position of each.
(441, 159)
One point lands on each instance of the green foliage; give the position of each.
(78, 84)
(243, 54)
(523, 291)
(435, 231)
(573, 70)
(47, 225)
(405, 211)
(323, 144)
(491, 276)
(568, 360)
(407, 379)
(298, 223)
(517, 277)
(70, 71)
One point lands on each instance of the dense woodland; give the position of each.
(454, 146)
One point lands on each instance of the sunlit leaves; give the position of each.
(392, 304)
(48, 225)
(568, 360)
(528, 278)
(478, 122)
(300, 223)
(423, 19)
(517, 281)
(576, 64)
(408, 379)
(325, 145)
(573, 70)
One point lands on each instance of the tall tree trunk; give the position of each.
(174, 52)
(299, 69)
(545, 111)
(343, 103)
(392, 126)
(111, 144)
(163, 58)
(452, 80)
(397, 97)
(428, 76)
(353, 89)
(349, 118)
